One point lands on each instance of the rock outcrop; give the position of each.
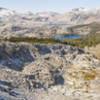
(45, 72)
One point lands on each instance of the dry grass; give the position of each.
(83, 78)
(90, 75)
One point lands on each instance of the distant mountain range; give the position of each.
(75, 16)
(43, 24)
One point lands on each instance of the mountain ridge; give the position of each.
(46, 24)
(75, 16)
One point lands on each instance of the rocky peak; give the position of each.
(78, 9)
(1, 8)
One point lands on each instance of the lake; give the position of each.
(70, 37)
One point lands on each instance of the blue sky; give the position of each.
(48, 5)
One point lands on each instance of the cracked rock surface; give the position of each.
(46, 72)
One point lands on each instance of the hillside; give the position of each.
(28, 71)
(85, 29)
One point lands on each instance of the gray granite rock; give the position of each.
(45, 72)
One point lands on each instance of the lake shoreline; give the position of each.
(72, 36)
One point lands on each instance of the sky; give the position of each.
(48, 5)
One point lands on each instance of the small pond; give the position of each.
(70, 37)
